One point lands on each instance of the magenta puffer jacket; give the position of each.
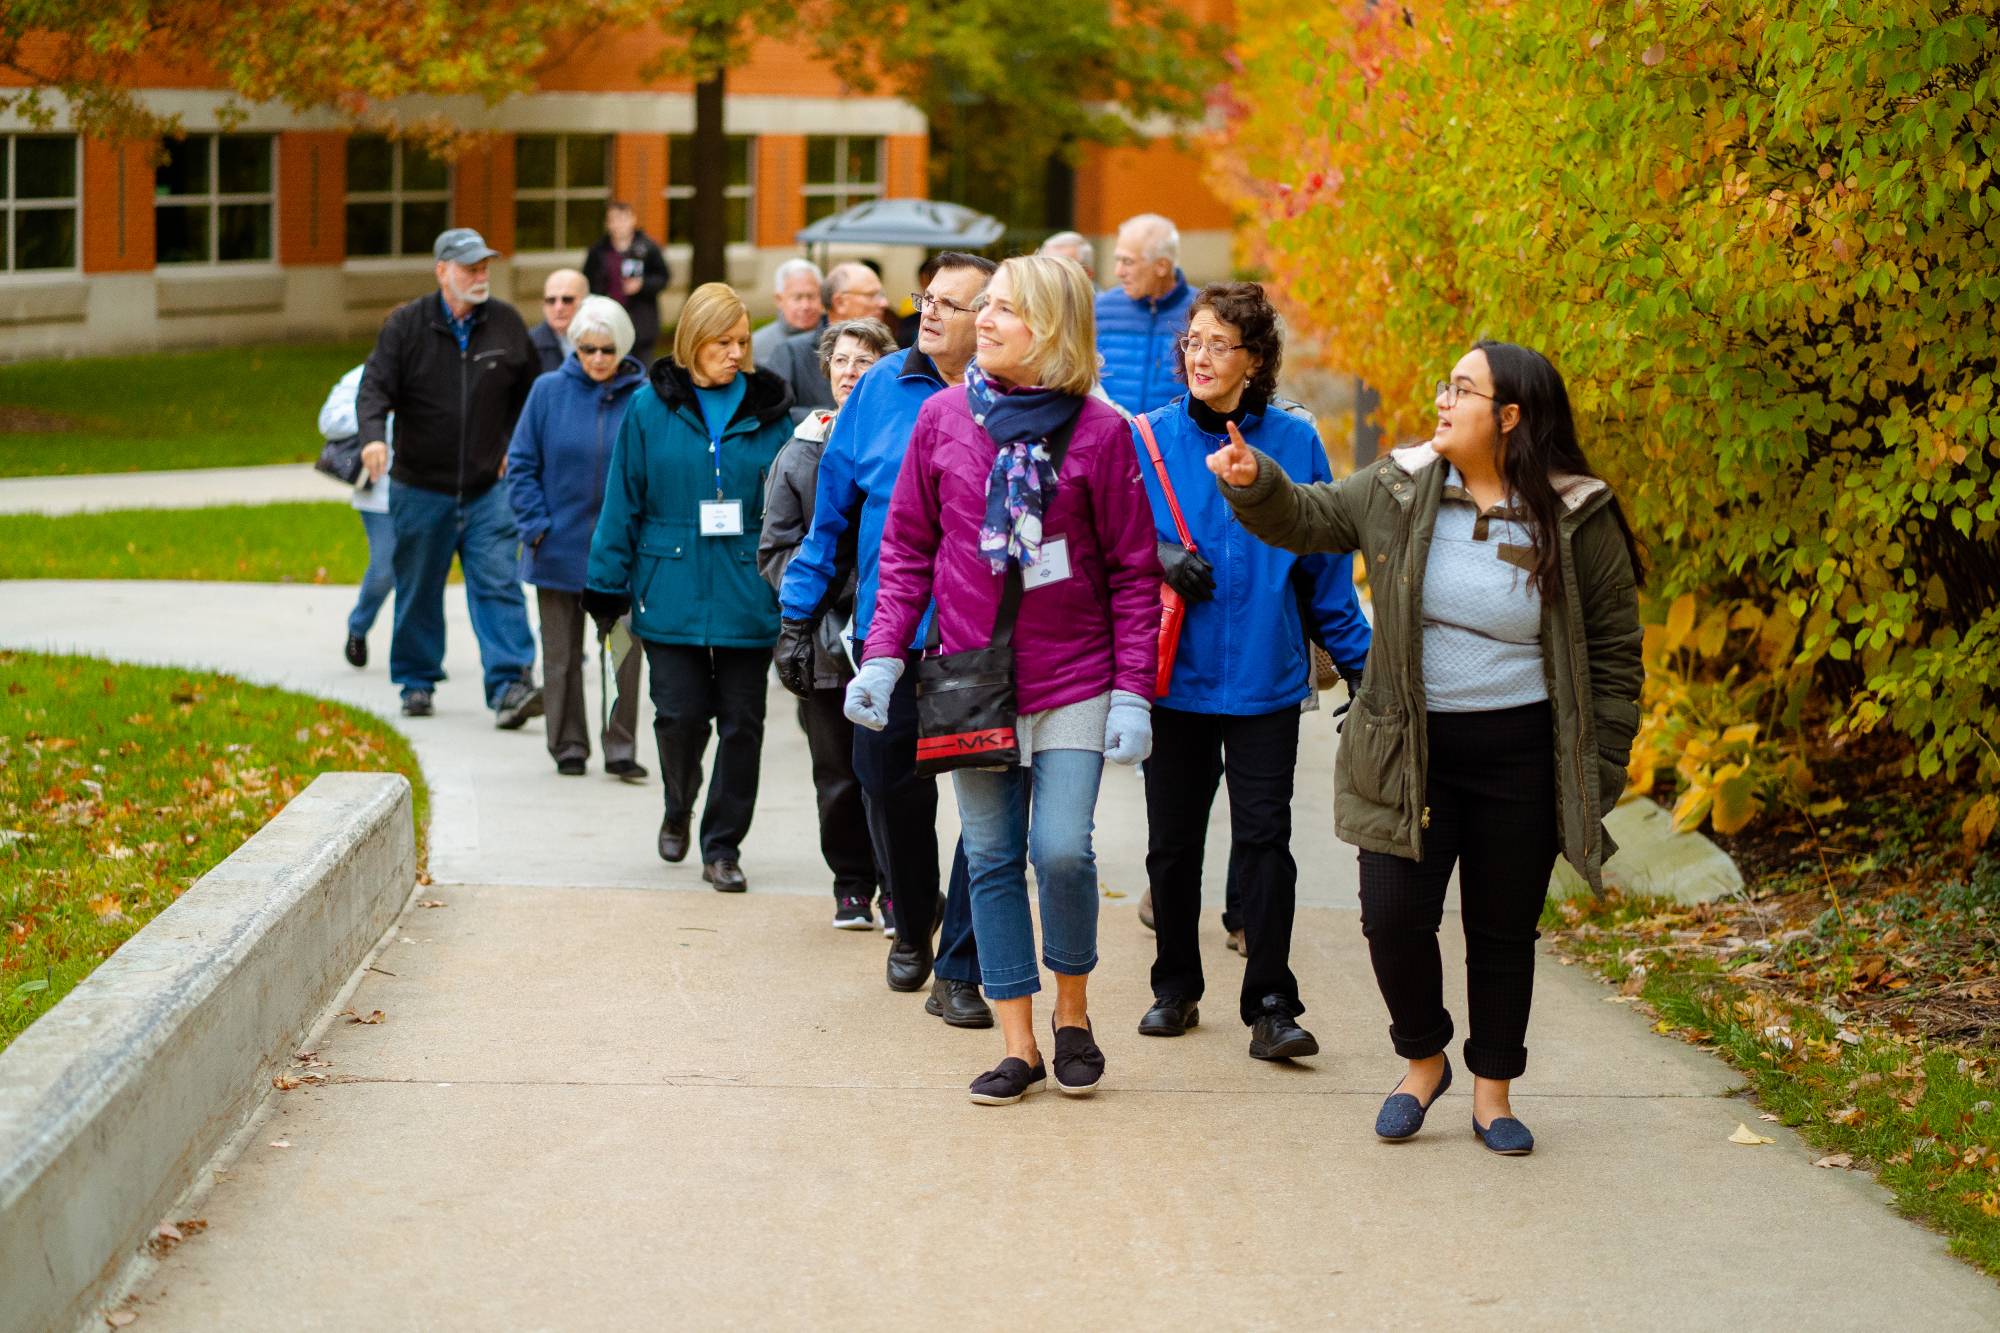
(1097, 630)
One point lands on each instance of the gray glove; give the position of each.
(1128, 730)
(867, 703)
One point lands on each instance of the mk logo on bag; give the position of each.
(990, 741)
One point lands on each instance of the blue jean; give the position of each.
(431, 527)
(1007, 817)
(380, 580)
(958, 944)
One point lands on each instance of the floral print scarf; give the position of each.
(1021, 423)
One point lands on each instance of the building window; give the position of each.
(740, 192)
(38, 202)
(213, 199)
(840, 173)
(561, 184)
(398, 198)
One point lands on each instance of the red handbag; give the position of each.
(1173, 607)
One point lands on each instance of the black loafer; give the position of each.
(958, 1003)
(1078, 1061)
(356, 651)
(1277, 1036)
(571, 768)
(1006, 1083)
(1170, 1018)
(726, 876)
(909, 964)
(673, 840)
(626, 770)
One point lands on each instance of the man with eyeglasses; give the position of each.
(562, 291)
(853, 291)
(1139, 320)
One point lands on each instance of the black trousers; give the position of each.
(902, 810)
(692, 688)
(843, 822)
(1192, 752)
(1491, 790)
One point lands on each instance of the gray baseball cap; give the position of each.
(462, 245)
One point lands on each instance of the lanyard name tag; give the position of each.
(1051, 567)
(722, 518)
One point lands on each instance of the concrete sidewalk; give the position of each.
(596, 1104)
(191, 489)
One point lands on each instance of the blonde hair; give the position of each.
(712, 310)
(1053, 296)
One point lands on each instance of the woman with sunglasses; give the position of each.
(1499, 706)
(556, 467)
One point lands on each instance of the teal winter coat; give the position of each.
(686, 588)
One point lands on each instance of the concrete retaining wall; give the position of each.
(112, 1101)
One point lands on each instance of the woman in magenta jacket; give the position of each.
(976, 494)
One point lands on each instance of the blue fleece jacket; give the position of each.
(556, 467)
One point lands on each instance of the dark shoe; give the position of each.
(1079, 1063)
(1506, 1136)
(726, 876)
(1170, 1018)
(1006, 1083)
(1276, 1037)
(1146, 909)
(909, 964)
(1402, 1115)
(416, 703)
(571, 768)
(852, 913)
(518, 702)
(627, 770)
(674, 840)
(958, 1003)
(356, 651)
(888, 916)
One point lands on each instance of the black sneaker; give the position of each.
(356, 651)
(888, 916)
(519, 702)
(571, 768)
(416, 703)
(852, 913)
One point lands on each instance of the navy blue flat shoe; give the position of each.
(1506, 1136)
(1403, 1115)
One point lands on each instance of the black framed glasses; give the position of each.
(1215, 347)
(944, 305)
(1451, 392)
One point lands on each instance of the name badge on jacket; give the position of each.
(1052, 567)
(722, 518)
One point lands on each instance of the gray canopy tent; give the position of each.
(929, 223)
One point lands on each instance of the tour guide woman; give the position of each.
(976, 494)
(676, 542)
(1501, 698)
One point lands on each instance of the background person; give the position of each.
(556, 468)
(1073, 245)
(978, 493)
(338, 420)
(454, 367)
(801, 308)
(1231, 709)
(1504, 580)
(628, 266)
(847, 349)
(853, 291)
(676, 544)
(1141, 320)
(562, 292)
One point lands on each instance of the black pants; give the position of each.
(1192, 752)
(1492, 797)
(693, 687)
(843, 822)
(902, 810)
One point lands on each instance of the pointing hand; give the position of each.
(1234, 462)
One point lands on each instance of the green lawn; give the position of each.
(120, 786)
(216, 408)
(275, 543)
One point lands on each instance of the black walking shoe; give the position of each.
(1079, 1063)
(1275, 1036)
(909, 964)
(416, 703)
(958, 1003)
(726, 876)
(674, 839)
(356, 651)
(518, 702)
(1170, 1018)
(1007, 1082)
(571, 768)
(852, 913)
(627, 770)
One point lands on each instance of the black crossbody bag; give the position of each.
(965, 701)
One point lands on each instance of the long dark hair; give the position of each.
(1541, 445)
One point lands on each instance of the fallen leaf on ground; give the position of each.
(1767, 1116)
(1847, 1115)
(1831, 1160)
(284, 1082)
(281, 1143)
(120, 1318)
(431, 902)
(423, 877)
(372, 1016)
(1748, 1137)
(1635, 981)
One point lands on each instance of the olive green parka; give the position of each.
(1590, 645)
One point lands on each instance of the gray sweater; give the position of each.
(1482, 648)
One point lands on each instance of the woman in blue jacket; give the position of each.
(556, 466)
(676, 544)
(1231, 709)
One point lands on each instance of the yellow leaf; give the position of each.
(1979, 821)
(1743, 733)
(1736, 803)
(1713, 634)
(1692, 808)
(1748, 1137)
(1680, 619)
(1746, 616)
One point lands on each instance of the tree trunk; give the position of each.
(711, 176)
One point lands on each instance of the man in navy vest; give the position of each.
(1140, 319)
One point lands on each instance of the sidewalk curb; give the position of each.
(113, 1100)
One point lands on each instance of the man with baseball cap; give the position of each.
(454, 367)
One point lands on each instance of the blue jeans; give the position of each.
(958, 945)
(431, 527)
(380, 580)
(1006, 817)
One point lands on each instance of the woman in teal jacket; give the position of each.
(676, 543)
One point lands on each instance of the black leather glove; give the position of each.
(794, 655)
(605, 608)
(1353, 680)
(1187, 573)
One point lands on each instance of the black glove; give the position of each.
(1353, 680)
(794, 655)
(605, 608)
(1187, 573)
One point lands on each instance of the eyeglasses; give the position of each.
(559, 300)
(945, 306)
(1451, 392)
(591, 349)
(861, 362)
(1216, 349)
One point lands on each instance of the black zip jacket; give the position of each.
(454, 410)
(602, 263)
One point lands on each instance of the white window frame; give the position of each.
(846, 193)
(395, 197)
(561, 194)
(11, 206)
(214, 200)
(747, 192)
